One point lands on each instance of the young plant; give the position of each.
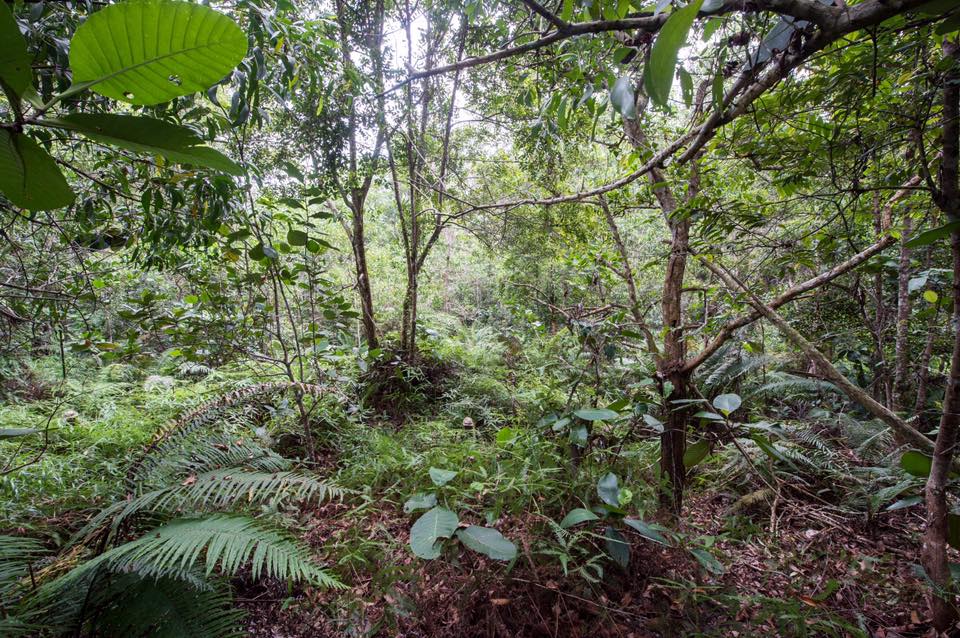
(433, 529)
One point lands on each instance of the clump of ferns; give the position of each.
(731, 368)
(159, 562)
(801, 458)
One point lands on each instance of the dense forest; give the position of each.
(459, 318)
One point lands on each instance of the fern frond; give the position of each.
(97, 601)
(164, 607)
(224, 452)
(223, 489)
(718, 375)
(12, 627)
(211, 412)
(16, 554)
(223, 542)
(788, 383)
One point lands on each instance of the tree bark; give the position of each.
(943, 609)
(823, 364)
(902, 344)
(364, 289)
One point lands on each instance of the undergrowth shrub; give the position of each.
(201, 506)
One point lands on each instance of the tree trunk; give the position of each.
(367, 319)
(902, 346)
(671, 369)
(881, 381)
(943, 610)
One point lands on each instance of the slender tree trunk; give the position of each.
(902, 348)
(881, 382)
(364, 289)
(673, 440)
(671, 363)
(943, 609)
(923, 365)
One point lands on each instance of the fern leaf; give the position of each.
(222, 489)
(223, 542)
(165, 608)
(16, 554)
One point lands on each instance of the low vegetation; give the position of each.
(577, 318)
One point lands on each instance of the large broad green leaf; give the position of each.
(658, 78)
(596, 414)
(419, 502)
(488, 541)
(727, 403)
(14, 59)
(441, 477)
(151, 51)
(916, 463)
(708, 561)
(622, 98)
(932, 235)
(147, 135)
(9, 433)
(577, 516)
(608, 489)
(646, 531)
(437, 523)
(29, 177)
(696, 453)
(617, 547)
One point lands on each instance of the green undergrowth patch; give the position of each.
(87, 431)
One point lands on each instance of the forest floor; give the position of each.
(804, 563)
(813, 575)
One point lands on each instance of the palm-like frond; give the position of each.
(223, 542)
(242, 406)
(225, 452)
(785, 383)
(16, 554)
(104, 603)
(164, 608)
(217, 490)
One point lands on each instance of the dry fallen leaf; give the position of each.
(190, 480)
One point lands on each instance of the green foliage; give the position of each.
(221, 542)
(147, 136)
(150, 51)
(15, 72)
(432, 526)
(658, 79)
(29, 177)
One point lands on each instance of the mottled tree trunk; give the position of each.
(902, 345)
(943, 609)
(364, 289)
(671, 369)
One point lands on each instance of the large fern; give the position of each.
(207, 474)
(784, 383)
(16, 555)
(228, 488)
(239, 408)
(219, 542)
(167, 609)
(111, 604)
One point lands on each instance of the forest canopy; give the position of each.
(509, 318)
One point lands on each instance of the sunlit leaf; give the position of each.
(151, 51)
